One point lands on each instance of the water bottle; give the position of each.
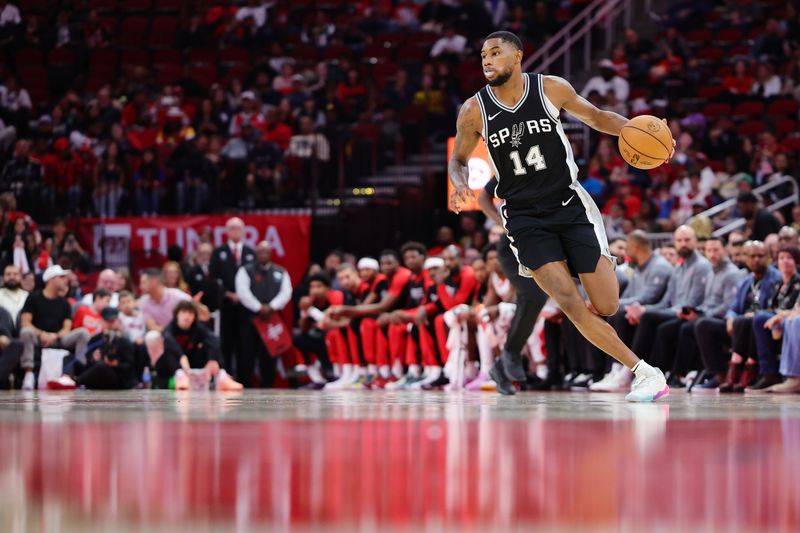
(146, 383)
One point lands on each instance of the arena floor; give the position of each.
(367, 461)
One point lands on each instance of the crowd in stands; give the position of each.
(112, 107)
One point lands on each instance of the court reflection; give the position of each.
(638, 469)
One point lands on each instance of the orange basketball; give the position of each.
(645, 142)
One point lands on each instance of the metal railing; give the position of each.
(562, 44)
(727, 226)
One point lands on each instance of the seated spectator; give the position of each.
(12, 296)
(157, 301)
(46, 321)
(713, 336)
(173, 276)
(199, 349)
(790, 357)
(148, 181)
(110, 358)
(449, 44)
(131, 318)
(607, 81)
(107, 280)
(89, 317)
(767, 323)
(767, 84)
(10, 348)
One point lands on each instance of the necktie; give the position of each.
(236, 254)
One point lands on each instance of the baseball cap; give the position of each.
(53, 272)
(109, 313)
(248, 95)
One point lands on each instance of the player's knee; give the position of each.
(607, 307)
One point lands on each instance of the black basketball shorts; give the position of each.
(570, 229)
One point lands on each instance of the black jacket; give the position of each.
(223, 265)
(199, 343)
(208, 284)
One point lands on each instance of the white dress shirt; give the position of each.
(249, 300)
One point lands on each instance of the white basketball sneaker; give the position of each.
(618, 380)
(648, 384)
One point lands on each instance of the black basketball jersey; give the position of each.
(528, 149)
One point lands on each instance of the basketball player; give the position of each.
(555, 228)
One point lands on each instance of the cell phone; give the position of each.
(687, 310)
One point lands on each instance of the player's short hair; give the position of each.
(345, 266)
(392, 253)
(506, 36)
(320, 277)
(413, 245)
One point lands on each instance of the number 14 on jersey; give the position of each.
(534, 159)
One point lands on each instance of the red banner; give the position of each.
(143, 241)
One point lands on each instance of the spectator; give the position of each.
(249, 114)
(651, 274)
(200, 280)
(225, 263)
(15, 104)
(173, 276)
(760, 222)
(263, 288)
(131, 318)
(307, 144)
(607, 81)
(111, 357)
(89, 317)
(199, 349)
(685, 291)
(714, 335)
(107, 280)
(157, 301)
(12, 296)
(767, 83)
(148, 181)
(28, 283)
(449, 44)
(10, 348)
(255, 9)
(46, 321)
(767, 323)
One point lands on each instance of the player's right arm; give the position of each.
(468, 127)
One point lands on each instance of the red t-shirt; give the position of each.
(86, 317)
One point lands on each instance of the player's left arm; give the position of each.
(564, 96)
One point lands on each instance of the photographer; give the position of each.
(109, 357)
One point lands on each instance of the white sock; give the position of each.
(385, 372)
(414, 371)
(642, 368)
(362, 371)
(432, 373)
(471, 370)
(314, 374)
(372, 370)
(337, 370)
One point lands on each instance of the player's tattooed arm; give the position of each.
(468, 127)
(564, 96)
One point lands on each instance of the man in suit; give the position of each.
(225, 261)
(200, 279)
